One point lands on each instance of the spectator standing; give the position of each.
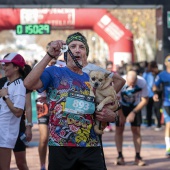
(20, 147)
(25, 128)
(12, 103)
(148, 76)
(109, 67)
(157, 105)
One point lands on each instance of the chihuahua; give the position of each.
(105, 95)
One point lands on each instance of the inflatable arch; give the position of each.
(118, 38)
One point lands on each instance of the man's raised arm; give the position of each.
(32, 81)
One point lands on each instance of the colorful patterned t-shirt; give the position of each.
(67, 129)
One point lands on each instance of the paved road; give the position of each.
(153, 151)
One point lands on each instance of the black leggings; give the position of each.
(157, 106)
(149, 107)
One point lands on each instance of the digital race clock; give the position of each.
(33, 29)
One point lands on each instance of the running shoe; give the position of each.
(139, 162)
(158, 128)
(108, 129)
(119, 161)
(168, 153)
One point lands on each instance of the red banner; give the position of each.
(119, 39)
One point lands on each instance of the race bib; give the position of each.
(79, 104)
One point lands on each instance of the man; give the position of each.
(148, 76)
(163, 78)
(43, 119)
(157, 105)
(72, 141)
(134, 96)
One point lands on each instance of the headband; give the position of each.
(78, 37)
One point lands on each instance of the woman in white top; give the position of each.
(12, 102)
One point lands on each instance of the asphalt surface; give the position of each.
(153, 150)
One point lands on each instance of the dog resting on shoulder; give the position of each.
(103, 90)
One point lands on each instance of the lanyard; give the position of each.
(74, 59)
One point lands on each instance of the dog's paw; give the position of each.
(99, 107)
(92, 94)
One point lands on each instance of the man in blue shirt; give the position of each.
(163, 78)
(147, 75)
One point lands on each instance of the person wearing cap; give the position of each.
(25, 126)
(73, 143)
(12, 103)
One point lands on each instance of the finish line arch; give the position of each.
(118, 38)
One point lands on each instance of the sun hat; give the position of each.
(14, 58)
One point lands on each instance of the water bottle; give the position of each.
(23, 138)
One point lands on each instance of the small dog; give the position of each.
(103, 91)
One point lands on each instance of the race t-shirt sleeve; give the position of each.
(46, 78)
(143, 84)
(158, 80)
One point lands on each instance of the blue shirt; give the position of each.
(148, 76)
(164, 79)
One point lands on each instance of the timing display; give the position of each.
(33, 29)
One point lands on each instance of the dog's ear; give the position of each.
(90, 72)
(107, 75)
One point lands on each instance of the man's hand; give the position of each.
(42, 100)
(156, 97)
(3, 92)
(106, 115)
(130, 118)
(55, 47)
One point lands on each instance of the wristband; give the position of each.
(156, 92)
(5, 97)
(50, 55)
(134, 111)
(116, 117)
(29, 124)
